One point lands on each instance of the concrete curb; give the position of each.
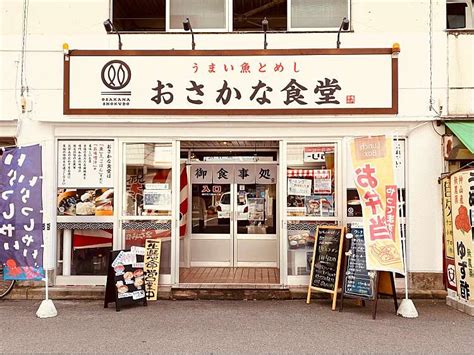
(216, 293)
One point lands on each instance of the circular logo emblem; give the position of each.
(116, 74)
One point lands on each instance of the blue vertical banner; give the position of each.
(21, 213)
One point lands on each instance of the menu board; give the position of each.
(358, 281)
(326, 258)
(125, 278)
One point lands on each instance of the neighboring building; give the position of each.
(263, 121)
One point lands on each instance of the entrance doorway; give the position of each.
(234, 225)
(233, 236)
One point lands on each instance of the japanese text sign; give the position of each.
(299, 187)
(322, 182)
(85, 163)
(231, 82)
(374, 177)
(201, 174)
(223, 174)
(316, 154)
(449, 263)
(230, 173)
(21, 218)
(244, 174)
(462, 200)
(152, 268)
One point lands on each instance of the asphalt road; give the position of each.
(233, 327)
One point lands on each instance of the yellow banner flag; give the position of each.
(372, 162)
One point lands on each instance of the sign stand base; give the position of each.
(382, 288)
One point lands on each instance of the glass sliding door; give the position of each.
(313, 198)
(147, 195)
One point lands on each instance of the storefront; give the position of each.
(236, 194)
(457, 186)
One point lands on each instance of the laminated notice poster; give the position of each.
(322, 181)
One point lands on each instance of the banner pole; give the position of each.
(407, 307)
(47, 284)
(46, 308)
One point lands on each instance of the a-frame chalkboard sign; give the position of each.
(125, 278)
(358, 282)
(326, 263)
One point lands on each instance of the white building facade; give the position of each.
(150, 150)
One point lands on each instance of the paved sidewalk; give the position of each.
(233, 326)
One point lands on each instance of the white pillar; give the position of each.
(67, 247)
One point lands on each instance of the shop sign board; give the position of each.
(374, 177)
(449, 264)
(229, 173)
(462, 199)
(125, 283)
(316, 154)
(152, 268)
(231, 82)
(326, 261)
(85, 163)
(21, 213)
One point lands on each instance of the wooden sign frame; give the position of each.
(338, 267)
(392, 73)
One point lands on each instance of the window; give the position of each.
(317, 14)
(312, 199)
(248, 15)
(139, 15)
(229, 15)
(459, 14)
(147, 206)
(204, 15)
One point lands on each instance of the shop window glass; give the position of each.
(211, 208)
(318, 14)
(203, 14)
(139, 15)
(85, 205)
(256, 209)
(148, 179)
(311, 199)
(137, 232)
(88, 251)
(248, 15)
(301, 237)
(147, 197)
(311, 180)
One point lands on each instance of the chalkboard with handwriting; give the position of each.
(357, 280)
(327, 258)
